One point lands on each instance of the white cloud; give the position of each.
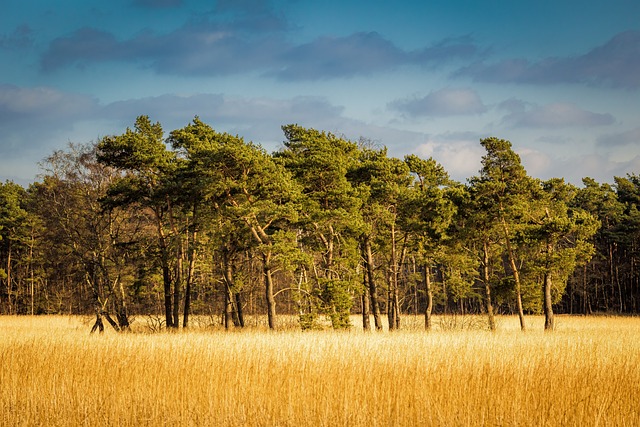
(460, 154)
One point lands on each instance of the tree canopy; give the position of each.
(198, 221)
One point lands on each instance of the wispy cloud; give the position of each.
(257, 119)
(444, 102)
(555, 115)
(41, 105)
(447, 49)
(616, 63)
(329, 57)
(210, 48)
(20, 38)
(628, 137)
(194, 49)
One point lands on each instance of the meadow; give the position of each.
(586, 373)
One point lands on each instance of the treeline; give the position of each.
(202, 222)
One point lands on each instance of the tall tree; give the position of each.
(506, 188)
(483, 236)
(97, 241)
(428, 214)
(381, 182)
(14, 235)
(319, 162)
(249, 187)
(563, 235)
(142, 156)
(598, 278)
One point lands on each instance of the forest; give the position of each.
(201, 222)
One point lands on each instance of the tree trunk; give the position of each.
(31, 275)
(230, 311)
(177, 282)
(98, 325)
(392, 310)
(268, 285)
(373, 290)
(366, 306)
(547, 305)
(549, 323)
(166, 273)
(515, 272)
(239, 311)
(584, 289)
(187, 297)
(228, 307)
(9, 287)
(190, 274)
(122, 314)
(487, 286)
(426, 272)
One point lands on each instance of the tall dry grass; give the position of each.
(53, 372)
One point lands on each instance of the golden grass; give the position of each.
(54, 373)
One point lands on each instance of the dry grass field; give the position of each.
(587, 373)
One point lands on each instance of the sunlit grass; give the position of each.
(585, 373)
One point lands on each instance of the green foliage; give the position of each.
(337, 300)
(139, 208)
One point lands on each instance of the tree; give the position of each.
(330, 221)
(599, 277)
(248, 187)
(428, 214)
(97, 242)
(381, 182)
(477, 225)
(142, 156)
(14, 234)
(563, 235)
(506, 188)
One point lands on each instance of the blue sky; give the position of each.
(559, 79)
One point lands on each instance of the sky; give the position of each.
(559, 79)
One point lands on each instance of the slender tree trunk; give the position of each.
(426, 272)
(393, 283)
(98, 325)
(549, 322)
(396, 286)
(31, 274)
(606, 298)
(190, 272)
(621, 299)
(515, 272)
(366, 307)
(391, 312)
(166, 272)
(268, 285)
(9, 287)
(187, 291)
(228, 291)
(373, 290)
(122, 313)
(177, 282)
(487, 286)
(239, 310)
(445, 295)
(584, 289)
(228, 308)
